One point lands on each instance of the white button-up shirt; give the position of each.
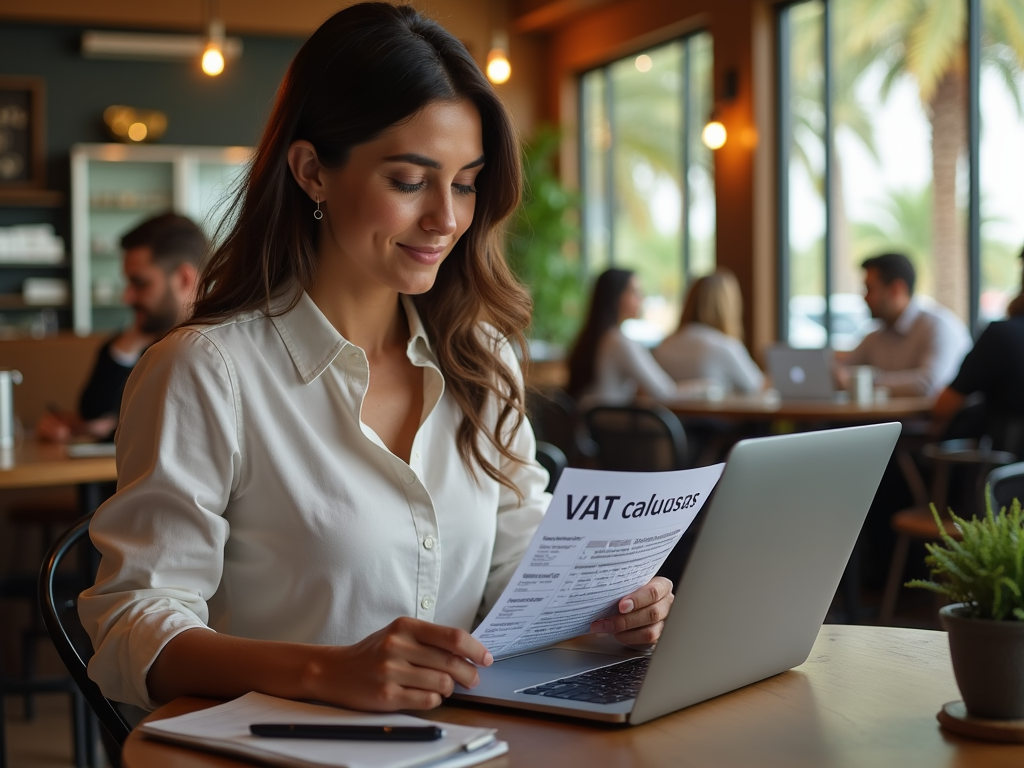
(252, 500)
(919, 354)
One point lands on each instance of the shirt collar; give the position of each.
(907, 317)
(314, 343)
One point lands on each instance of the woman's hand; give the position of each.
(641, 615)
(410, 664)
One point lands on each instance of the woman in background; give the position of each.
(708, 344)
(605, 365)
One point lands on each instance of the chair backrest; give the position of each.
(60, 615)
(553, 460)
(631, 438)
(554, 417)
(1006, 484)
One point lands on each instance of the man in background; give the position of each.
(987, 395)
(918, 348)
(162, 257)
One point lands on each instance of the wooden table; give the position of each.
(867, 696)
(39, 465)
(760, 408)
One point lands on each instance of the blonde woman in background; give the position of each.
(708, 343)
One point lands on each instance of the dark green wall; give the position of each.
(229, 109)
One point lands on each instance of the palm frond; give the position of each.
(936, 42)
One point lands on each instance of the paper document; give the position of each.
(225, 728)
(604, 535)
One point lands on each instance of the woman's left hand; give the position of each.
(641, 615)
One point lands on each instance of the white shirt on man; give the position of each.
(252, 499)
(917, 355)
(698, 351)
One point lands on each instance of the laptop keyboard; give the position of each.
(605, 685)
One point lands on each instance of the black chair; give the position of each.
(553, 460)
(631, 438)
(634, 439)
(555, 420)
(60, 615)
(1005, 484)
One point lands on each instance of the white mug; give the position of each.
(862, 384)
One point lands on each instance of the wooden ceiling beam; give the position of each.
(549, 16)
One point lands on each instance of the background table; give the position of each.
(758, 408)
(867, 696)
(39, 465)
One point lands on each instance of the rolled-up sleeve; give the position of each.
(162, 535)
(518, 518)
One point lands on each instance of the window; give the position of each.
(880, 153)
(647, 180)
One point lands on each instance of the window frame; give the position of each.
(783, 125)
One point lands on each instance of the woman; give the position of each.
(605, 365)
(330, 468)
(708, 345)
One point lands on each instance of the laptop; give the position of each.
(801, 374)
(776, 536)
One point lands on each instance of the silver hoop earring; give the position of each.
(318, 214)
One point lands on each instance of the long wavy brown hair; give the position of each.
(365, 69)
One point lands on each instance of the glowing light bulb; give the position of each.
(714, 135)
(137, 131)
(499, 70)
(213, 60)
(643, 63)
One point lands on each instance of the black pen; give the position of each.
(350, 732)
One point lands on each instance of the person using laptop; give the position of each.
(161, 262)
(328, 475)
(918, 347)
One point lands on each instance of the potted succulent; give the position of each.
(983, 576)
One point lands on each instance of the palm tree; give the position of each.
(925, 39)
(901, 222)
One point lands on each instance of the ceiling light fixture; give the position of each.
(213, 56)
(212, 50)
(714, 134)
(499, 70)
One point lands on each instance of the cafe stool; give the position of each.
(917, 523)
(36, 527)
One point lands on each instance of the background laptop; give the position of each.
(775, 540)
(801, 374)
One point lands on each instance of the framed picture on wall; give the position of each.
(22, 133)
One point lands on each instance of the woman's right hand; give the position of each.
(410, 664)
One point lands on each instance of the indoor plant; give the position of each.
(541, 236)
(983, 575)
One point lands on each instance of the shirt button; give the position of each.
(409, 478)
(425, 603)
(428, 543)
(416, 455)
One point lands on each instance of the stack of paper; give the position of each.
(225, 728)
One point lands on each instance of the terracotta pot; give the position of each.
(988, 661)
